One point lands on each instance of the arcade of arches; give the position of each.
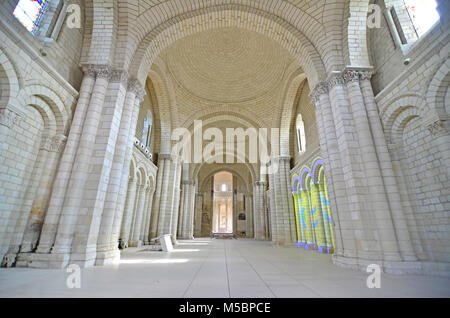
(357, 120)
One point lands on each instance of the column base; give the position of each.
(9, 260)
(107, 257)
(34, 260)
(185, 238)
(390, 267)
(137, 243)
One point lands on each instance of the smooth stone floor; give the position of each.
(207, 268)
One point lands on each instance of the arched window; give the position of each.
(30, 13)
(423, 14)
(147, 130)
(301, 137)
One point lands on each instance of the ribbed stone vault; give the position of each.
(228, 65)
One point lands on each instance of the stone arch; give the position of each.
(438, 87)
(398, 113)
(289, 37)
(133, 171)
(234, 172)
(198, 167)
(217, 113)
(288, 112)
(10, 82)
(141, 175)
(50, 122)
(53, 101)
(165, 110)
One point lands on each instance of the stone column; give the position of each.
(154, 222)
(415, 226)
(275, 220)
(390, 189)
(183, 209)
(77, 193)
(175, 200)
(80, 169)
(249, 215)
(145, 214)
(191, 210)
(198, 215)
(53, 213)
(259, 205)
(186, 210)
(164, 212)
(107, 248)
(170, 196)
(148, 215)
(138, 216)
(377, 200)
(268, 219)
(19, 224)
(133, 87)
(359, 175)
(284, 224)
(8, 119)
(337, 191)
(365, 246)
(88, 222)
(440, 130)
(52, 147)
(128, 212)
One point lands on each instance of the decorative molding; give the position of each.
(338, 79)
(8, 118)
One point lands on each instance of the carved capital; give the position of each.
(351, 76)
(135, 87)
(53, 144)
(336, 79)
(320, 89)
(98, 71)
(366, 75)
(119, 76)
(8, 118)
(438, 128)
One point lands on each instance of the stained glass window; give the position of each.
(423, 14)
(30, 12)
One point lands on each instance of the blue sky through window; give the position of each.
(423, 14)
(29, 13)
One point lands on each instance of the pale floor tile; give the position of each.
(218, 268)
